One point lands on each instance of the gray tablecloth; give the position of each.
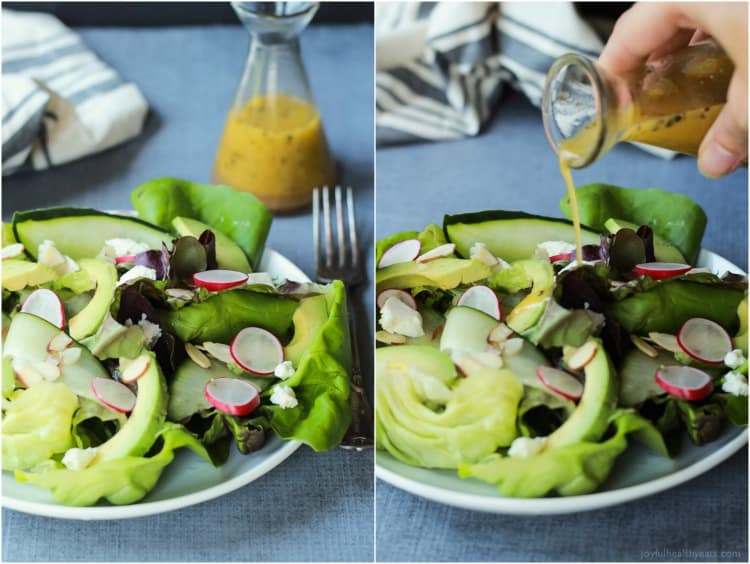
(512, 167)
(314, 507)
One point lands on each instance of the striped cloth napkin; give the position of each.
(60, 102)
(442, 66)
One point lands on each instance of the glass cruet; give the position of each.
(273, 144)
(670, 102)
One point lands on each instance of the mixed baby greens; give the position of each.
(121, 343)
(504, 358)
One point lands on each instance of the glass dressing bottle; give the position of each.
(670, 102)
(273, 143)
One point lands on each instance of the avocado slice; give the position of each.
(8, 236)
(664, 251)
(87, 321)
(740, 340)
(308, 318)
(426, 360)
(445, 273)
(140, 431)
(590, 419)
(228, 253)
(17, 274)
(530, 309)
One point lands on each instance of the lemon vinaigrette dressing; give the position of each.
(568, 179)
(274, 147)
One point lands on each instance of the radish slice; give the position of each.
(560, 257)
(402, 295)
(403, 251)
(684, 382)
(704, 340)
(232, 395)
(125, 259)
(45, 304)
(113, 394)
(216, 280)
(662, 270)
(582, 355)
(257, 351)
(438, 252)
(560, 382)
(135, 369)
(483, 299)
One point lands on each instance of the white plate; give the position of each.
(637, 472)
(188, 479)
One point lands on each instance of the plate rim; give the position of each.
(143, 509)
(573, 504)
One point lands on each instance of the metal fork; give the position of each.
(341, 260)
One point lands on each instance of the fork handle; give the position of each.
(360, 434)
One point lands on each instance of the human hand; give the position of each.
(652, 29)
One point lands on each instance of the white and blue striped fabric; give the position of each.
(442, 66)
(60, 102)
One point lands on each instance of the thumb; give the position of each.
(724, 147)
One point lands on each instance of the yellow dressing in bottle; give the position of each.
(274, 147)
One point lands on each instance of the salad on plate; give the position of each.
(503, 357)
(129, 336)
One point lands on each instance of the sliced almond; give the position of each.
(490, 359)
(134, 369)
(70, 356)
(54, 359)
(26, 373)
(49, 371)
(59, 342)
(438, 252)
(499, 334)
(584, 354)
(12, 251)
(643, 346)
(197, 356)
(389, 338)
(218, 350)
(512, 346)
(666, 341)
(180, 294)
(466, 363)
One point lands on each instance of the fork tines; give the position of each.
(335, 255)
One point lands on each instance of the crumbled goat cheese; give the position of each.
(524, 447)
(284, 397)
(551, 248)
(78, 458)
(122, 247)
(284, 370)
(734, 359)
(479, 251)
(735, 384)
(152, 331)
(397, 317)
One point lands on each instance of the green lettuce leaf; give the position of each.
(120, 481)
(238, 215)
(665, 306)
(674, 217)
(426, 416)
(36, 425)
(575, 469)
(94, 423)
(222, 315)
(321, 383)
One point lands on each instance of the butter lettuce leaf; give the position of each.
(674, 217)
(427, 416)
(120, 481)
(238, 215)
(320, 383)
(575, 469)
(36, 425)
(220, 317)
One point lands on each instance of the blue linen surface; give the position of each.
(511, 166)
(314, 507)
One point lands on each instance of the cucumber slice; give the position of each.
(637, 376)
(81, 232)
(466, 330)
(186, 388)
(28, 337)
(510, 235)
